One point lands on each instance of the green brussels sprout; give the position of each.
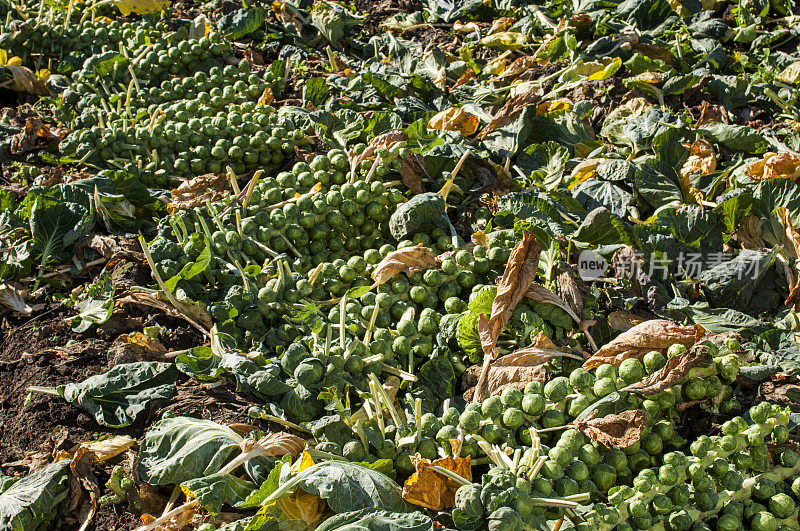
(513, 418)
(492, 407)
(578, 471)
(706, 500)
(679, 521)
(470, 421)
(764, 489)
(430, 424)
(781, 505)
(675, 349)
(353, 450)
(581, 379)
(451, 416)
(604, 476)
(565, 486)
(654, 361)
(557, 389)
(631, 370)
(728, 522)
(534, 388)
(552, 418)
(468, 500)
(505, 519)
(695, 389)
(309, 372)
(604, 386)
(533, 404)
(763, 521)
(511, 397)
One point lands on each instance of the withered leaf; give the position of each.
(510, 110)
(455, 119)
(623, 320)
(407, 260)
(711, 113)
(412, 169)
(655, 334)
(81, 467)
(519, 66)
(512, 286)
(540, 293)
(672, 373)
(748, 233)
(501, 24)
(513, 370)
(277, 444)
(790, 236)
(197, 190)
(200, 318)
(432, 490)
(35, 135)
(25, 80)
(615, 431)
(774, 165)
(384, 141)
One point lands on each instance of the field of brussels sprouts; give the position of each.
(400, 265)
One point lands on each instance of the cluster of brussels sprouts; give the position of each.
(728, 479)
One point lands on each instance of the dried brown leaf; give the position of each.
(384, 141)
(407, 260)
(432, 490)
(672, 373)
(510, 110)
(412, 169)
(519, 66)
(748, 233)
(501, 24)
(623, 321)
(280, 444)
(35, 135)
(455, 119)
(144, 297)
(81, 467)
(656, 334)
(468, 75)
(615, 431)
(512, 286)
(196, 191)
(790, 237)
(13, 296)
(711, 113)
(539, 293)
(774, 165)
(25, 80)
(513, 370)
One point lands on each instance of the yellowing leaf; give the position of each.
(774, 165)
(301, 464)
(595, 70)
(302, 506)
(505, 40)
(141, 7)
(790, 74)
(501, 24)
(586, 169)
(3, 57)
(431, 489)
(15, 61)
(702, 161)
(267, 97)
(407, 260)
(649, 77)
(552, 106)
(469, 27)
(25, 79)
(455, 119)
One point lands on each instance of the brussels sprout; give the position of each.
(470, 421)
(604, 386)
(468, 500)
(512, 397)
(451, 416)
(353, 450)
(513, 418)
(309, 373)
(556, 389)
(552, 418)
(492, 407)
(781, 505)
(505, 519)
(631, 370)
(534, 388)
(764, 489)
(695, 389)
(728, 522)
(606, 370)
(581, 379)
(654, 360)
(763, 521)
(604, 476)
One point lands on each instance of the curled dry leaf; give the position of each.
(773, 166)
(35, 135)
(616, 430)
(110, 246)
(510, 110)
(105, 449)
(585, 170)
(407, 260)
(432, 490)
(673, 372)
(513, 370)
(196, 191)
(748, 233)
(81, 467)
(518, 67)
(480, 238)
(656, 334)
(25, 80)
(790, 237)
(702, 161)
(711, 113)
(200, 318)
(13, 296)
(468, 75)
(455, 119)
(540, 293)
(501, 24)
(277, 444)
(623, 320)
(412, 169)
(512, 286)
